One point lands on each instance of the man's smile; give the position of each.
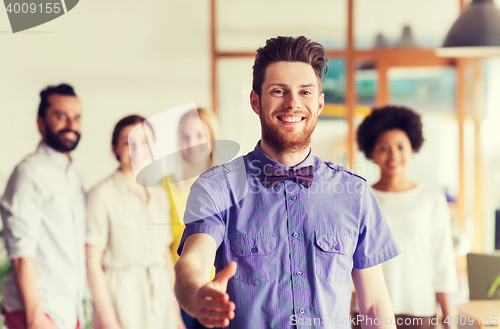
(71, 136)
(291, 118)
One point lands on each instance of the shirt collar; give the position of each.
(61, 160)
(263, 160)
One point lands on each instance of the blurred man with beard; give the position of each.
(284, 250)
(43, 213)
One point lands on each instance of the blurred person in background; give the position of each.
(130, 267)
(195, 127)
(43, 213)
(418, 216)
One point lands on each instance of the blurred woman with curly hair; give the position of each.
(418, 216)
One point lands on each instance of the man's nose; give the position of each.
(292, 102)
(72, 124)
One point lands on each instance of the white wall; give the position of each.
(126, 57)
(122, 57)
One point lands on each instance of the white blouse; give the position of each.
(420, 222)
(135, 234)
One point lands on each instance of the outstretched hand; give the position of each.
(212, 305)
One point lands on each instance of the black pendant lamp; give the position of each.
(380, 41)
(476, 33)
(407, 40)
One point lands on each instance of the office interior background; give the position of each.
(129, 57)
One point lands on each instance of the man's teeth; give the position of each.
(70, 135)
(291, 119)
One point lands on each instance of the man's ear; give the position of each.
(321, 103)
(255, 102)
(41, 125)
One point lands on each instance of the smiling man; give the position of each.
(43, 213)
(286, 250)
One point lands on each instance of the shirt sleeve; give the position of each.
(205, 211)
(22, 213)
(375, 241)
(97, 219)
(445, 273)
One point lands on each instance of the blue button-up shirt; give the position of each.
(295, 246)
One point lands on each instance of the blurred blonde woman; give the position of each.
(195, 127)
(129, 264)
(192, 163)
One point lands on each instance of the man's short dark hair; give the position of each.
(289, 49)
(62, 89)
(388, 118)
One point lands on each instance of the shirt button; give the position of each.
(301, 311)
(293, 197)
(295, 234)
(337, 247)
(299, 273)
(253, 250)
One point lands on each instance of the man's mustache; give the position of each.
(62, 131)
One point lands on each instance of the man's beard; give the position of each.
(282, 142)
(54, 140)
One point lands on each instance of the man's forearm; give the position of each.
(25, 274)
(374, 302)
(189, 279)
(382, 312)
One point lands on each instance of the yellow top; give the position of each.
(178, 194)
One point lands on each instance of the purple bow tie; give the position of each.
(275, 175)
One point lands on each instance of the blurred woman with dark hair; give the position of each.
(129, 265)
(418, 216)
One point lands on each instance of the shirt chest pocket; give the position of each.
(333, 253)
(255, 256)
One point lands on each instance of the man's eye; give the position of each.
(306, 92)
(278, 92)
